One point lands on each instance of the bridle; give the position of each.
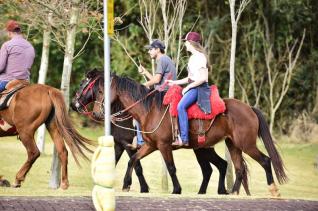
(87, 87)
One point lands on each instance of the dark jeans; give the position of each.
(140, 140)
(3, 85)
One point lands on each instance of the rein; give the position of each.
(146, 132)
(132, 105)
(162, 86)
(114, 117)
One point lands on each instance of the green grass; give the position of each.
(299, 160)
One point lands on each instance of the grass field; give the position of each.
(299, 160)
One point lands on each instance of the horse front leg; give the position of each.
(221, 165)
(144, 188)
(166, 151)
(142, 152)
(206, 168)
(33, 154)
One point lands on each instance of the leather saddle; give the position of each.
(11, 88)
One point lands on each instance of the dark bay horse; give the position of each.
(32, 106)
(240, 125)
(91, 90)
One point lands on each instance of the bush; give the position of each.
(304, 129)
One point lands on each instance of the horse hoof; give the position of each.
(223, 192)
(202, 192)
(144, 190)
(4, 183)
(176, 191)
(274, 191)
(235, 193)
(126, 189)
(64, 186)
(16, 186)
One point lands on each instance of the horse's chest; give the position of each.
(6, 129)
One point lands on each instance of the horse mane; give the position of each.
(94, 73)
(138, 91)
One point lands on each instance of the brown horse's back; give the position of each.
(242, 121)
(239, 120)
(32, 104)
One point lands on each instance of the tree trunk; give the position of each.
(232, 61)
(41, 80)
(315, 110)
(65, 84)
(69, 52)
(229, 171)
(272, 120)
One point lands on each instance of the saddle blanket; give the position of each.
(174, 95)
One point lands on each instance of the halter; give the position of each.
(88, 87)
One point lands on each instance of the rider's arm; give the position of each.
(143, 71)
(153, 80)
(3, 57)
(182, 81)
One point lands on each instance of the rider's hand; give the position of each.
(141, 70)
(170, 82)
(184, 90)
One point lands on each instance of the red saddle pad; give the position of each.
(174, 95)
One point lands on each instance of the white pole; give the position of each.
(103, 161)
(106, 72)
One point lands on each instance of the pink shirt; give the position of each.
(16, 59)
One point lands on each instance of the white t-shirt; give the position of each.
(197, 67)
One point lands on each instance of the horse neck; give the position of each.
(138, 111)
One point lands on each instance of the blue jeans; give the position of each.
(186, 101)
(3, 85)
(140, 140)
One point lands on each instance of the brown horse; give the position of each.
(239, 125)
(91, 90)
(32, 106)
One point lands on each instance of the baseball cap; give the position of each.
(13, 26)
(193, 36)
(156, 44)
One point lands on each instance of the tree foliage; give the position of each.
(276, 22)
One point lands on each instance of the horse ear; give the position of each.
(92, 73)
(112, 74)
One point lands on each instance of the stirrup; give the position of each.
(179, 142)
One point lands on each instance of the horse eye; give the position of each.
(100, 92)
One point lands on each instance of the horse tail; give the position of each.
(265, 135)
(73, 139)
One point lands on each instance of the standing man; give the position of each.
(16, 56)
(165, 69)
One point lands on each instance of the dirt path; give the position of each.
(158, 204)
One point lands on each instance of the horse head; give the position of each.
(90, 91)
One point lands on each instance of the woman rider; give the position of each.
(197, 89)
